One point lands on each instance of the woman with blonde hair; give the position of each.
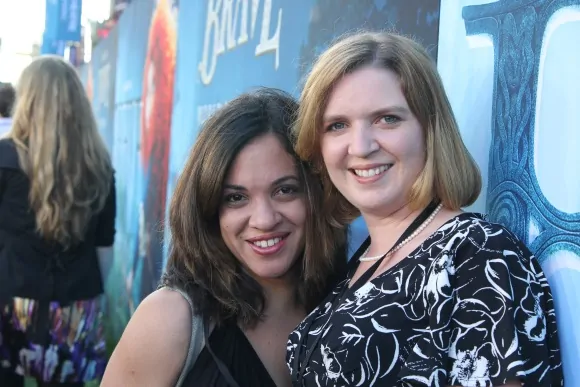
(435, 296)
(57, 206)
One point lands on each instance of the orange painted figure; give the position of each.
(156, 113)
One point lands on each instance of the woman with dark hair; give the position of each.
(248, 260)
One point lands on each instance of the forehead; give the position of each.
(261, 162)
(366, 89)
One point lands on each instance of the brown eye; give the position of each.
(287, 190)
(234, 198)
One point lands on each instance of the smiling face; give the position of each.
(263, 212)
(372, 144)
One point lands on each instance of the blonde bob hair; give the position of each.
(60, 150)
(450, 174)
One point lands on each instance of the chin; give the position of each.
(271, 271)
(376, 200)
(370, 205)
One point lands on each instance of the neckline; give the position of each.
(242, 336)
(396, 266)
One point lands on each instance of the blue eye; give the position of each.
(390, 119)
(335, 126)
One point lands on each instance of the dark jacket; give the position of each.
(31, 267)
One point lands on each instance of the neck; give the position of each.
(280, 296)
(385, 229)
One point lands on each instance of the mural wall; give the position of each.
(512, 78)
(227, 47)
(130, 81)
(508, 66)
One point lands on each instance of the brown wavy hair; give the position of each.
(199, 261)
(60, 150)
(450, 174)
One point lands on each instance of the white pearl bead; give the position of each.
(405, 241)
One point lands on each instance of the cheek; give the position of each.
(419, 152)
(409, 149)
(229, 225)
(331, 151)
(296, 213)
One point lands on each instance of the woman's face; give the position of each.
(372, 144)
(263, 211)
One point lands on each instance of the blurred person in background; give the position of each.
(7, 96)
(57, 206)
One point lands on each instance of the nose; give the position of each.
(362, 141)
(264, 215)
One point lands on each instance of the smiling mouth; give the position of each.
(267, 242)
(269, 245)
(372, 171)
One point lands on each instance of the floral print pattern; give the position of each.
(469, 307)
(75, 350)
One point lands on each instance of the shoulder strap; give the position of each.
(196, 342)
(220, 364)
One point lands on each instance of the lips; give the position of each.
(367, 174)
(268, 244)
(373, 171)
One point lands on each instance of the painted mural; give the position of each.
(508, 65)
(512, 77)
(240, 45)
(157, 107)
(141, 116)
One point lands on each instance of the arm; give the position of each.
(503, 326)
(153, 348)
(491, 315)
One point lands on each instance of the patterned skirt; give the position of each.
(74, 349)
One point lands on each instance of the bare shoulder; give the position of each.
(153, 347)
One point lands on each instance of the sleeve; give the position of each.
(491, 316)
(105, 235)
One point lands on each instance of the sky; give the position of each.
(21, 26)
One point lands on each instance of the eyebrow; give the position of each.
(387, 110)
(283, 179)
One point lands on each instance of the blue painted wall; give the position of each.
(509, 66)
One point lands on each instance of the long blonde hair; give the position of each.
(60, 150)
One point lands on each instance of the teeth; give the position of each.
(371, 172)
(267, 243)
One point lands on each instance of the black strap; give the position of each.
(220, 364)
(298, 371)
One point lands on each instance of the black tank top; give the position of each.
(231, 347)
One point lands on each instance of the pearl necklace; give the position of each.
(405, 241)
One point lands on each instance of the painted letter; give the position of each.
(267, 44)
(207, 69)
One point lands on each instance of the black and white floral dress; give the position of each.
(469, 307)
